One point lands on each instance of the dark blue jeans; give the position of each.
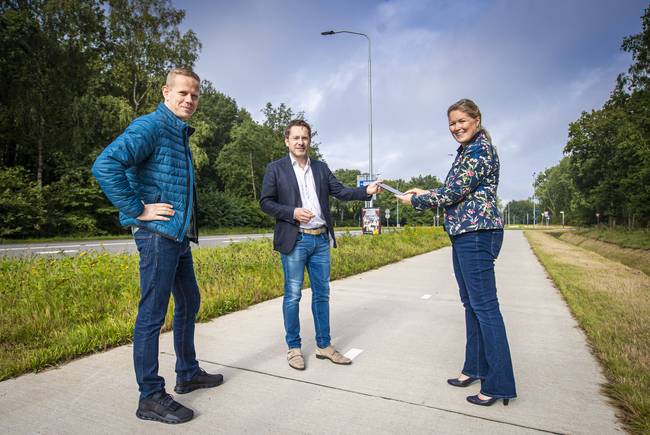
(487, 354)
(166, 267)
(314, 253)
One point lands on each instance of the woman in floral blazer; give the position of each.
(472, 220)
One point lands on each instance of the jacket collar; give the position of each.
(295, 162)
(286, 161)
(477, 138)
(172, 119)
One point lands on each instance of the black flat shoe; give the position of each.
(458, 383)
(475, 400)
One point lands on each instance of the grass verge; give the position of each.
(537, 227)
(635, 258)
(54, 309)
(612, 305)
(635, 239)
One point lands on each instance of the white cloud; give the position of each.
(532, 68)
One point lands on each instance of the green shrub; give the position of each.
(21, 204)
(218, 209)
(54, 309)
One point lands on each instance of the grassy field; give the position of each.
(634, 239)
(611, 302)
(635, 258)
(537, 227)
(53, 310)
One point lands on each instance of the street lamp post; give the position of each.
(534, 216)
(332, 32)
(397, 224)
(562, 213)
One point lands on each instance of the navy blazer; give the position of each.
(281, 196)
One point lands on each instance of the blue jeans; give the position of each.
(314, 252)
(487, 354)
(166, 267)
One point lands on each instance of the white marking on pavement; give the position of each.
(94, 245)
(353, 353)
(426, 297)
(51, 249)
(67, 251)
(23, 248)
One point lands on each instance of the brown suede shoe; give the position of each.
(333, 355)
(296, 361)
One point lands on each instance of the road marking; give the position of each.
(94, 245)
(426, 297)
(353, 353)
(67, 251)
(24, 248)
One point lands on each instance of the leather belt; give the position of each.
(313, 231)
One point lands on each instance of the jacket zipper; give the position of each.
(189, 194)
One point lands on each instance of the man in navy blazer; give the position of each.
(296, 191)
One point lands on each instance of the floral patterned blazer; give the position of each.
(469, 195)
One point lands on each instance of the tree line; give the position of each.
(76, 73)
(604, 176)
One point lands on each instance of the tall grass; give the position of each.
(635, 239)
(611, 302)
(54, 309)
(635, 258)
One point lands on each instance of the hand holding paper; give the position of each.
(417, 191)
(390, 189)
(374, 187)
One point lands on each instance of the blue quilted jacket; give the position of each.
(150, 162)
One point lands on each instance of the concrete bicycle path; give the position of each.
(405, 325)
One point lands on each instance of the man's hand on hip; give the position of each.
(302, 215)
(156, 212)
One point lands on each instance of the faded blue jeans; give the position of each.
(166, 267)
(313, 252)
(487, 354)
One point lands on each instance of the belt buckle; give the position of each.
(313, 231)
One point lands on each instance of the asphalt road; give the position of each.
(114, 246)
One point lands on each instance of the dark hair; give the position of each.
(469, 107)
(297, 123)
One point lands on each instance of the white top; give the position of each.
(307, 187)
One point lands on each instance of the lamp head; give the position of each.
(330, 32)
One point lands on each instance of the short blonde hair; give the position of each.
(181, 72)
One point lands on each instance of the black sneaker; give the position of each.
(162, 407)
(200, 380)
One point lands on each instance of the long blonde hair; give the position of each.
(469, 107)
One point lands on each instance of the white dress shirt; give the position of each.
(307, 187)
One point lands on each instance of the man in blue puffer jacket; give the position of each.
(147, 173)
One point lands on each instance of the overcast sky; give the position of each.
(531, 65)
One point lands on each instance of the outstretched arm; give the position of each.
(478, 162)
(344, 193)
